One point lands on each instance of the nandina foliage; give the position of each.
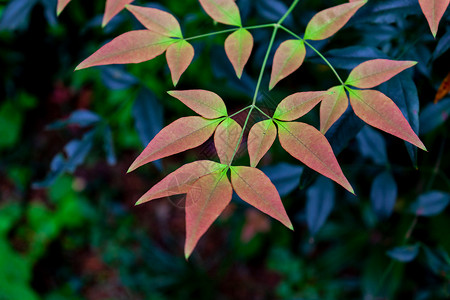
(206, 182)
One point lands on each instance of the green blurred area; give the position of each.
(81, 237)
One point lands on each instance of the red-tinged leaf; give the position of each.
(433, 11)
(156, 20)
(207, 199)
(222, 11)
(238, 47)
(260, 139)
(374, 72)
(332, 107)
(131, 47)
(309, 146)
(327, 22)
(287, 59)
(61, 5)
(113, 7)
(443, 90)
(378, 110)
(181, 180)
(226, 139)
(296, 105)
(255, 188)
(180, 135)
(205, 103)
(179, 56)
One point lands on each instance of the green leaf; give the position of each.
(327, 22)
(309, 146)
(181, 180)
(287, 59)
(378, 110)
(205, 103)
(255, 188)
(222, 11)
(433, 11)
(113, 7)
(333, 105)
(205, 201)
(182, 134)
(404, 253)
(179, 56)
(226, 139)
(260, 139)
(157, 20)
(131, 47)
(238, 47)
(374, 72)
(296, 105)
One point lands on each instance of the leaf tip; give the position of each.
(131, 168)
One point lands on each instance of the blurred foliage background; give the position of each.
(68, 225)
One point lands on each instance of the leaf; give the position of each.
(61, 5)
(272, 11)
(80, 117)
(378, 110)
(205, 103)
(131, 47)
(238, 47)
(157, 20)
(181, 180)
(349, 57)
(179, 56)
(308, 145)
(260, 139)
(434, 115)
(113, 7)
(16, 14)
(226, 139)
(287, 59)
(443, 90)
(255, 188)
(333, 105)
(430, 203)
(180, 135)
(327, 22)
(372, 145)
(319, 203)
(222, 11)
(383, 194)
(108, 146)
(115, 77)
(404, 253)
(284, 176)
(374, 72)
(296, 105)
(437, 260)
(207, 198)
(433, 11)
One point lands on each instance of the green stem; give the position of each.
(239, 111)
(262, 112)
(229, 30)
(325, 60)
(288, 12)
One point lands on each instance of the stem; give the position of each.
(228, 30)
(239, 111)
(262, 112)
(288, 12)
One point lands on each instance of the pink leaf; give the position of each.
(181, 180)
(255, 188)
(157, 20)
(296, 105)
(207, 199)
(113, 7)
(222, 11)
(226, 139)
(180, 135)
(378, 110)
(433, 11)
(238, 47)
(374, 72)
(288, 58)
(327, 22)
(205, 103)
(131, 47)
(260, 139)
(309, 146)
(332, 107)
(179, 56)
(61, 5)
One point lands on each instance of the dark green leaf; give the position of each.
(434, 115)
(284, 176)
(430, 204)
(319, 203)
(404, 253)
(383, 194)
(372, 145)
